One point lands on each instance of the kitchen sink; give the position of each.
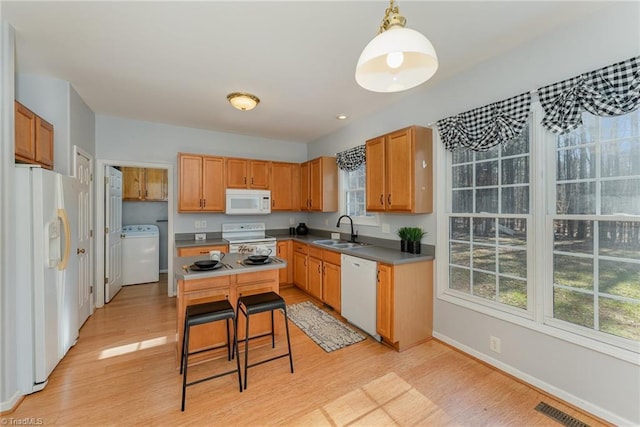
(339, 244)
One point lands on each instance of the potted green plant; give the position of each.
(415, 235)
(403, 233)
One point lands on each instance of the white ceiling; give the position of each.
(174, 62)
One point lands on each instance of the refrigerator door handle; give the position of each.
(62, 214)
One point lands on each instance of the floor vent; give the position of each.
(559, 416)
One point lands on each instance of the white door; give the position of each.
(113, 233)
(83, 175)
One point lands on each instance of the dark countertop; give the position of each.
(370, 252)
(230, 266)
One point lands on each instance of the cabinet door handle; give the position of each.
(273, 203)
(389, 199)
(204, 203)
(378, 276)
(244, 180)
(324, 269)
(200, 203)
(146, 193)
(382, 199)
(251, 180)
(318, 268)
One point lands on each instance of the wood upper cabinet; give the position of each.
(404, 303)
(399, 171)
(245, 173)
(319, 185)
(285, 183)
(201, 183)
(284, 249)
(143, 184)
(33, 137)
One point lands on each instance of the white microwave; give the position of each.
(248, 202)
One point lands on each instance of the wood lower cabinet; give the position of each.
(284, 251)
(33, 137)
(400, 171)
(201, 183)
(245, 173)
(314, 272)
(230, 287)
(300, 265)
(404, 307)
(331, 282)
(285, 184)
(319, 185)
(323, 276)
(201, 250)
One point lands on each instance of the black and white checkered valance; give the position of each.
(482, 128)
(609, 91)
(351, 159)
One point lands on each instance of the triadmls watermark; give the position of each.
(24, 421)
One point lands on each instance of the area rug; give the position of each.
(324, 329)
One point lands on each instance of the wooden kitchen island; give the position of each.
(233, 280)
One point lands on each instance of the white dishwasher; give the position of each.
(359, 291)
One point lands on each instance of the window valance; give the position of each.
(482, 128)
(351, 159)
(609, 91)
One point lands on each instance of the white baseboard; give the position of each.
(9, 405)
(553, 390)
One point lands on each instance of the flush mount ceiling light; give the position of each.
(398, 58)
(243, 101)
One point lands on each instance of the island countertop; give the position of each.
(231, 264)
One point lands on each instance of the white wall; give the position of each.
(602, 384)
(9, 393)
(82, 125)
(130, 140)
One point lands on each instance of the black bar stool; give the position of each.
(259, 303)
(199, 314)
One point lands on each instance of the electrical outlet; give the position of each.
(201, 236)
(203, 224)
(335, 236)
(494, 344)
(326, 222)
(386, 228)
(292, 221)
(196, 224)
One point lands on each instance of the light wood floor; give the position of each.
(122, 371)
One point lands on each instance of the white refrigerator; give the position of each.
(47, 272)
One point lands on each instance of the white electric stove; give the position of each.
(246, 238)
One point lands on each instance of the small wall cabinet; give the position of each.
(33, 138)
(201, 183)
(400, 171)
(245, 173)
(319, 185)
(144, 184)
(285, 184)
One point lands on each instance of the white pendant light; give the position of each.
(243, 101)
(397, 59)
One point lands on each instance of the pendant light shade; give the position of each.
(397, 58)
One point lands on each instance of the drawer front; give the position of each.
(208, 283)
(315, 252)
(331, 257)
(201, 250)
(257, 277)
(300, 247)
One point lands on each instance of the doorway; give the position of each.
(167, 221)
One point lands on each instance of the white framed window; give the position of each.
(560, 252)
(353, 197)
(593, 219)
(489, 220)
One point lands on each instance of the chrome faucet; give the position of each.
(354, 236)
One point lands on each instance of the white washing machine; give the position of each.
(140, 254)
